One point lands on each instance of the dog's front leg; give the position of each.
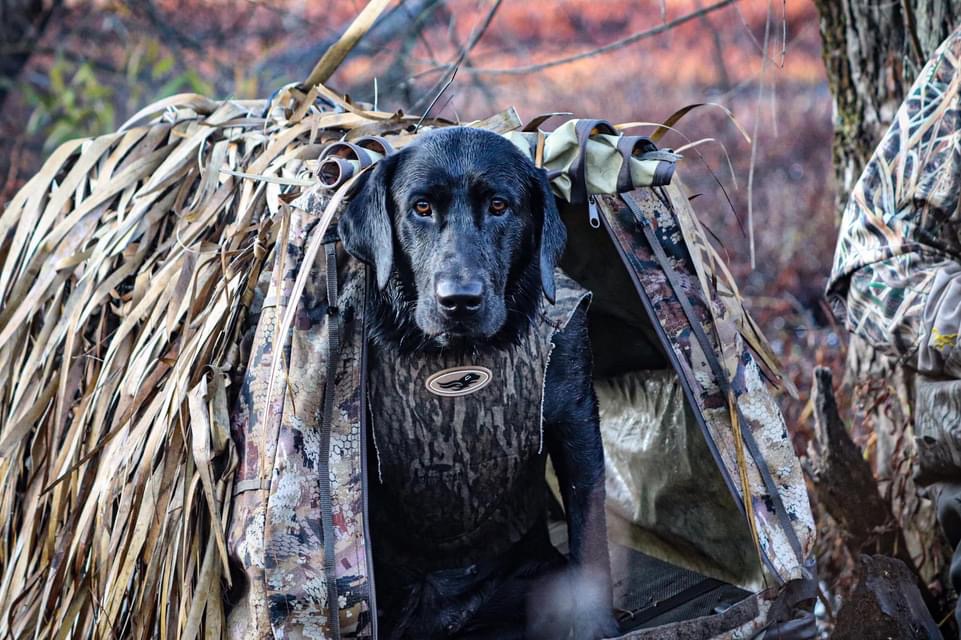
(573, 438)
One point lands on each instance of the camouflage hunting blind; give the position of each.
(182, 352)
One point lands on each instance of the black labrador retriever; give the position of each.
(463, 234)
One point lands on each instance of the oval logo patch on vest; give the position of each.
(459, 381)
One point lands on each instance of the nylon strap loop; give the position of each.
(578, 168)
(326, 503)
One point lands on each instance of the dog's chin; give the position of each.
(453, 342)
(450, 333)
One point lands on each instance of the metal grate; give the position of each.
(649, 592)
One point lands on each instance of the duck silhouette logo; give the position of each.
(459, 381)
(464, 382)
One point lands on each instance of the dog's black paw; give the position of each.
(572, 604)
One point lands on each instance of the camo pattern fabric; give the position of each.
(902, 223)
(276, 530)
(461, 478)
(786, 542)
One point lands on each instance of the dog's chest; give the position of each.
(459, 439)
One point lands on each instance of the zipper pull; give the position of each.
(592, 214)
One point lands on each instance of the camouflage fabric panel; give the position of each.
(569, 297)
(938, 437)
(886, 299)
(256, 439)
(760, 411)
(458, 475)
(903, 212)
(276, 530)
(461, 476)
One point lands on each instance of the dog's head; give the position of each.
(463, 226)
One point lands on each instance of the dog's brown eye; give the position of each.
(498, 206)
(422, 207)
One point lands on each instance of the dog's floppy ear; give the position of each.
(365, 225)
(553, 233)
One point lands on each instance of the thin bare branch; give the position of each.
(476, 34)
(754, 140)
(434, 101)
(613, 46)
(723, 78)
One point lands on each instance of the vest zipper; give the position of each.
(593, 216)
(685, 385)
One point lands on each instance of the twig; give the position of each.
(434, 101)
(753, 39)
(617, 44)
(783, 33)
(476, 34)
(399, 67)
(754, 141)
(723, 78)
(286, 13)
(482, 86)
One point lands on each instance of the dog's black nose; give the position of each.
(459, 297)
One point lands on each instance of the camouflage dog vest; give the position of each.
(459, 440)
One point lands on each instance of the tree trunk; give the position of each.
(885, 604)
(21, 23)
(873, 51)
(846, 489)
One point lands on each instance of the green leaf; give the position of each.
(106, 117)
(162, 67)
(198, 84)
(133, 65)
(56, 77)
(171, 87)
(34, 121)
(85, 75)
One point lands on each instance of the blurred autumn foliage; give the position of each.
(98, 61)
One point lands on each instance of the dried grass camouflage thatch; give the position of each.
(129, 262)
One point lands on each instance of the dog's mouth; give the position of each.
(459, 330)
(451, 333)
